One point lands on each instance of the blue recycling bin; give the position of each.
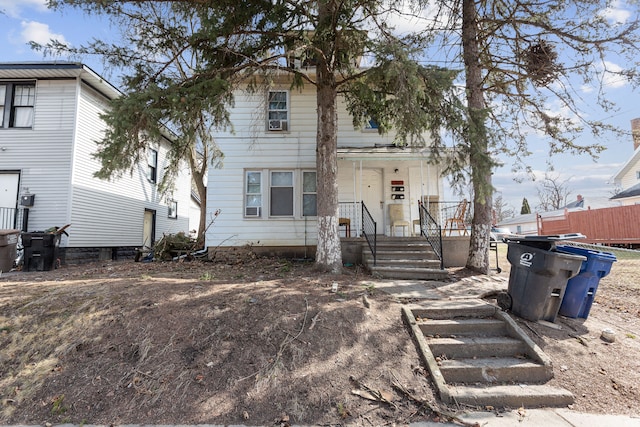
(581, 289)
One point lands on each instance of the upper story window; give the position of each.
(16, 105)
(637, 174)
(152, 166)
(278, 110)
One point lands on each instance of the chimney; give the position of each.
(635, 132)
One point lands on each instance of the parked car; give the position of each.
(497, 233)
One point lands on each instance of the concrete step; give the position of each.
(409, 273)
(422, 263)
(445, 309)
(470, 346)
(463, 346)
(451, 328)
(514, 396)
(494, 370)
(399, 255)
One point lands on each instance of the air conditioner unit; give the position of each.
(252, 211)
(275, 125)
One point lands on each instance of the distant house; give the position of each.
(49, 124)
(628, 177)
(266, 191)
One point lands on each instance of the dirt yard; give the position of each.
(260, 342)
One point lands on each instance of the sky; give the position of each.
(24, 20)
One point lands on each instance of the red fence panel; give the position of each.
(617, 225)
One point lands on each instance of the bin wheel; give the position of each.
(504, 300)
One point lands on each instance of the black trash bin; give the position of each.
(8, 253)
(539, 275)
(40, 250)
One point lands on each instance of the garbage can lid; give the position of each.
(588, 252)
(548, 238)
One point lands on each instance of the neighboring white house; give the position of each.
(266, 190)
(48, 131)
(628, 177)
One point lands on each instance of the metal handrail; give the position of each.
(369, 231)
(430, 229)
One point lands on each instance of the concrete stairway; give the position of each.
(404, 258)
(477, 355)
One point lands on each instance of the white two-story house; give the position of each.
(49, 124)
(266, 190)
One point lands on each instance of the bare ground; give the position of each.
(260, 342)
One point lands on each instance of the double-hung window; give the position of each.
(16, 105)
(253, 194)
(275, 193)
(172, 211)
(309, 194)
(281, 189)
(278, 110)
(152, 166)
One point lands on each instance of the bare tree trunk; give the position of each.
(328, 253)
(198, 172)
(480, 161)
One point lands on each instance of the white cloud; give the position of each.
(13, 8)
(615, 13)
(39, 33)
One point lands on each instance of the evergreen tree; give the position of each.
(237, 42)
(525, 207)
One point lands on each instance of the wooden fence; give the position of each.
(619, 225)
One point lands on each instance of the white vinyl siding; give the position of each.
(43, 153)
(55, 160)
(111, 212)
(250, 148)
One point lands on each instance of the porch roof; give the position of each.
(387, 152)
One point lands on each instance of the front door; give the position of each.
(372, 195)
(148, 228)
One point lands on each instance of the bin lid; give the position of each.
(547, 238)
(587, 252)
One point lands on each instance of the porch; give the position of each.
(417, 249)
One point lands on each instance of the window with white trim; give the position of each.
(309, 194)
(152, 166)
(173, 209)
(278, 110)
(275, 193)
(281, 193)
(17, 101)
(253, 194)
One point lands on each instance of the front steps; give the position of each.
(404, 258)
(478, 356)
